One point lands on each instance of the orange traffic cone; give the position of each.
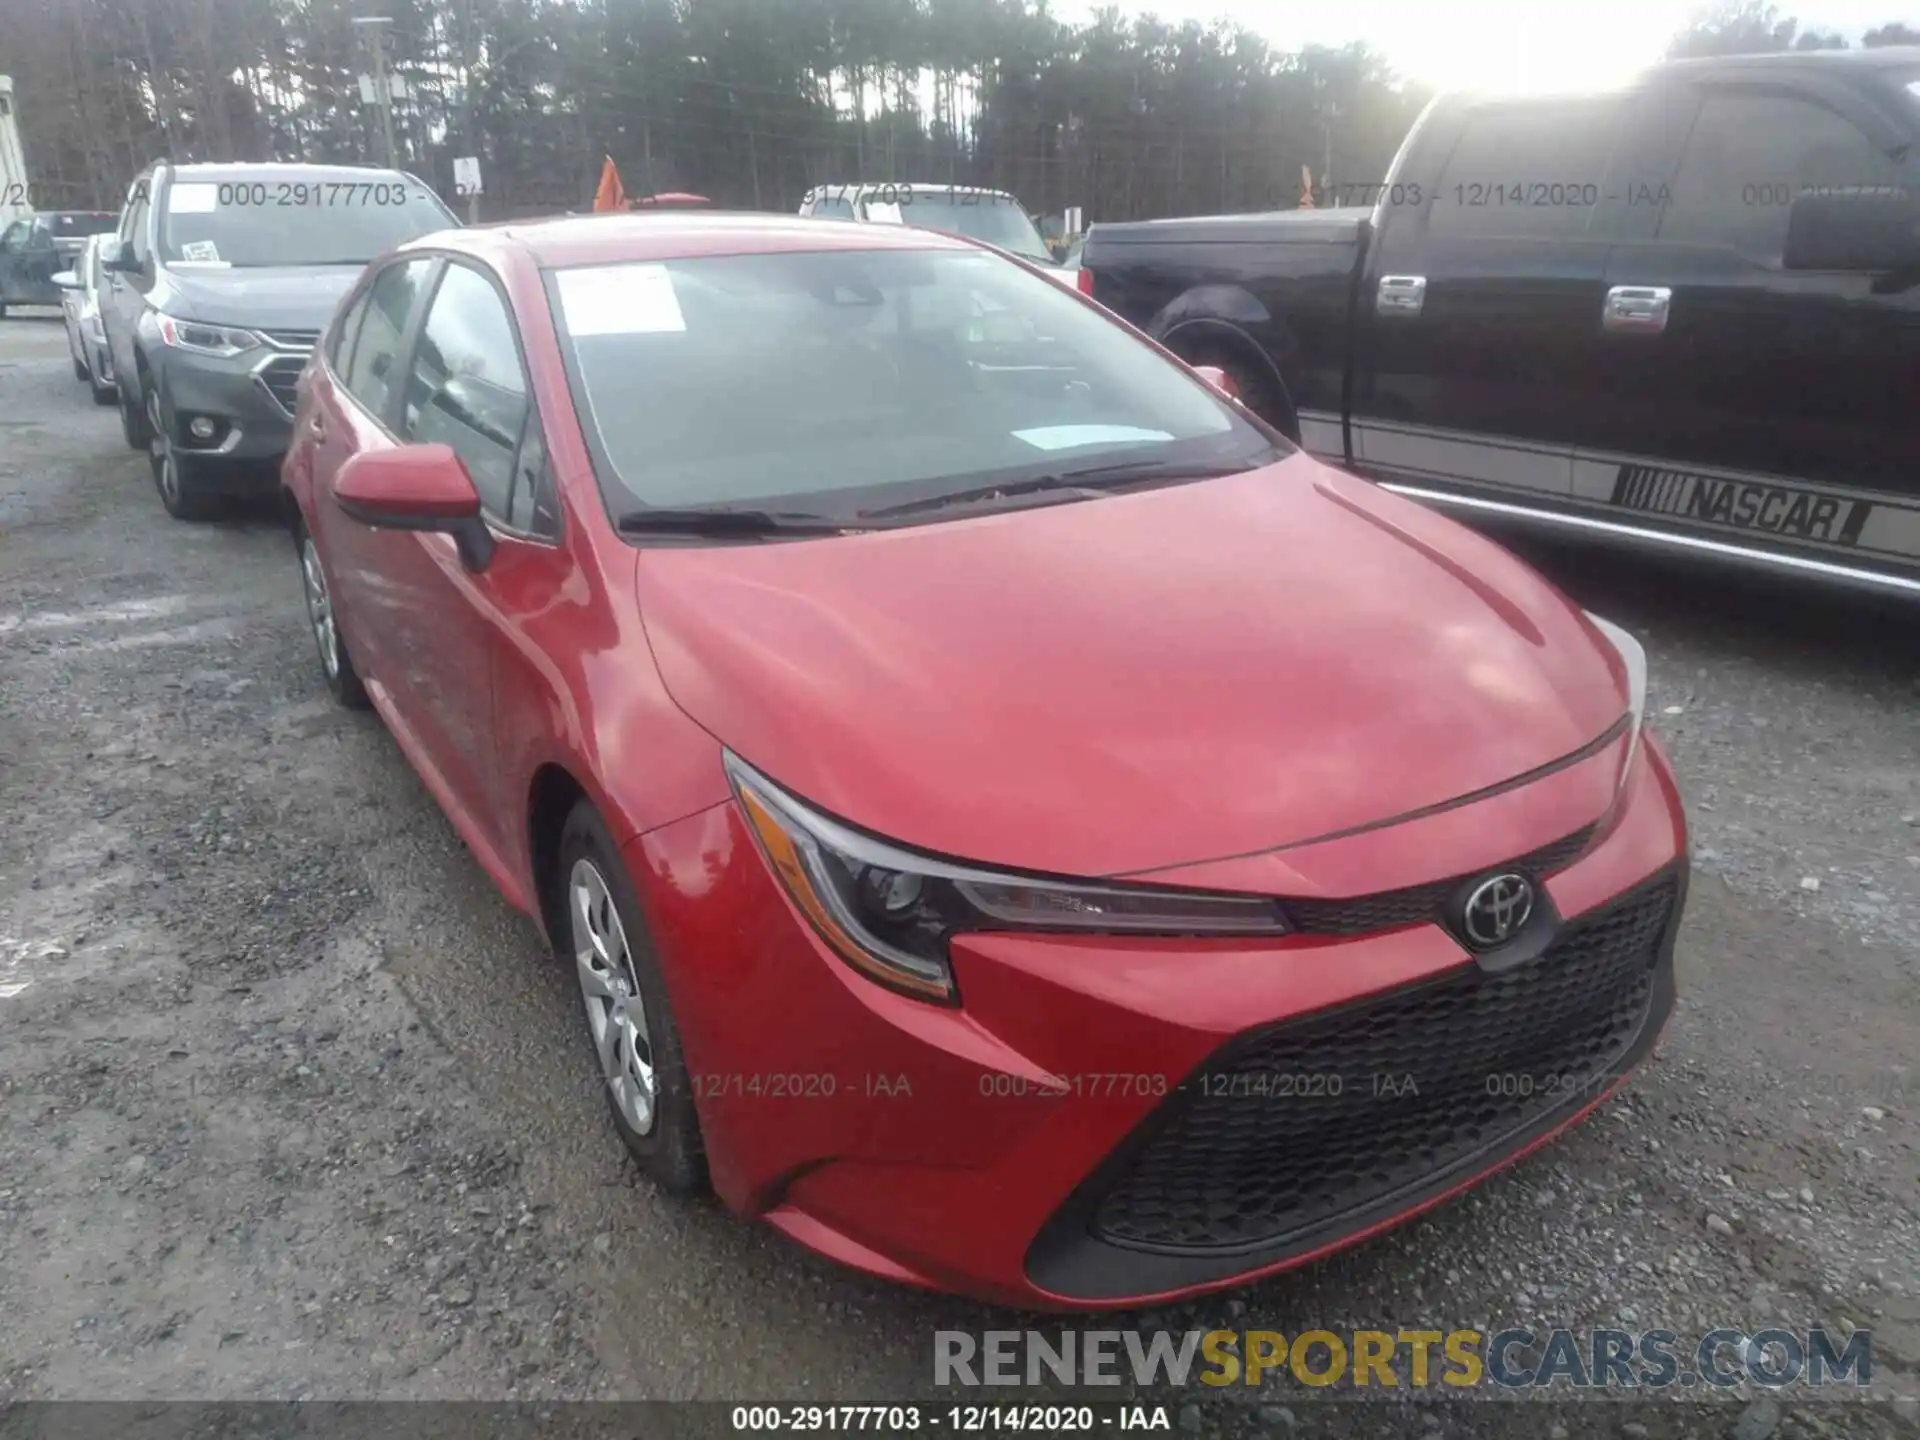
(610, 195)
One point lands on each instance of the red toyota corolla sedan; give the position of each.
(1019, 824)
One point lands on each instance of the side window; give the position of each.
(1526, 169)
(466, 388)
(1749, 155)
(370, 360)
(133, 223)
(340, 342)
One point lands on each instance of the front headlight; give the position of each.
(223, 341)
(1634, 657)
(889, 912)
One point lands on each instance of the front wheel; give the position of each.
(185, 489)
(336, 665)
(636, 1043)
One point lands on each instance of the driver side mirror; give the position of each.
(1871, 228)
(417, 487)
(116, 254)
(67, 280)
(1218, 379)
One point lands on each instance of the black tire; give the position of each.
(187, 491)
(342, 679)
(80, 371)
(1256, 387)
(670, 1150)
(102, 394)
(133, 421)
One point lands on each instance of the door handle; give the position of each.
(1637, 309)
(1401, 295)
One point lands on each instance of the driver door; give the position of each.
(1768, 405)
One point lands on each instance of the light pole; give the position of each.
(382, 91)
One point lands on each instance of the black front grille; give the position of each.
(1294, 1128)
(293, 339)
(1419, 904)
(281, 376)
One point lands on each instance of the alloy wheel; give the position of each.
(610, 990)
(320, 607)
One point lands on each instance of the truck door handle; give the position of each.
(1401, 295)
(1637, 309)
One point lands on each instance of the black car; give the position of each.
(1684, 315)
(219, 282)
(35, 248)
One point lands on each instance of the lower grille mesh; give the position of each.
(1339, 1112)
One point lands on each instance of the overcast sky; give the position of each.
(1504, 44)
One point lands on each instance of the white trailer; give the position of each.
(14, 199)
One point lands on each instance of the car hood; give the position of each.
(1124, 684)
(294, 297)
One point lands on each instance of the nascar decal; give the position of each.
(1745, 504)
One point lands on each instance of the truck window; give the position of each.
(1749, 154)
(1526, 169)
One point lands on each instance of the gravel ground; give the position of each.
(292, 1105)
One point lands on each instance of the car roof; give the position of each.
(671, 235)
(940, 186)
(1880, 57)
(231, 169)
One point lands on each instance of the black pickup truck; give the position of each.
(1683, 314)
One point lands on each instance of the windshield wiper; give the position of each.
(1086, 483)
(1122, 472)
(745, 524)
(1010, 488)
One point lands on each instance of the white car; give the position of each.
(990, 215)
(86, 337)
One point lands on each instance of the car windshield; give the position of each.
(336, 219)
(835, 381)
(982, 215)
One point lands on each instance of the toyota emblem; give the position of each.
(1497, 908)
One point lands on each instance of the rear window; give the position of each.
(72, 224)
(766, 378)
(996, 219)
(280, 220)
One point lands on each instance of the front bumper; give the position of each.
(1109, 1121)
(250, 398)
